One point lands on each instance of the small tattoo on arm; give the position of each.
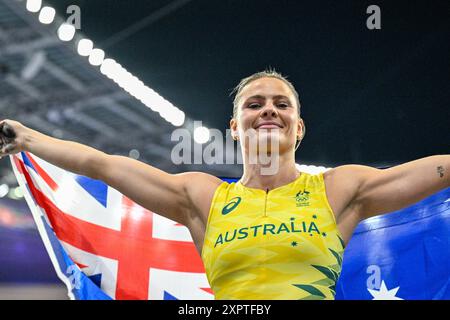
(440, 170)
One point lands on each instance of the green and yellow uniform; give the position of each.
(277, 244)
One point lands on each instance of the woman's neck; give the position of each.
(254, 176)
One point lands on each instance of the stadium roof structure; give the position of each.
(48, 86)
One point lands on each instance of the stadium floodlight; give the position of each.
(113, 70)
(136, 88)
(108, 67)
(85, 47)
(179, 118)
(47, 15)
(4, 190)
(96, 57)
(134, 154)
(174, 116)
(122, 77)
(34, 5)
(66, 32)
(117, 73)
(149, 101)
(168, 112)
(18, 192)
(311, 169)
(201, 135)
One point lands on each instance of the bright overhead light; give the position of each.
(18, 193)
(66, 32)
(311, 169)
(4, 189)
(85, 47)
(150, 101)
(201, 135)
(135, 154)
(108, 67)
(34, 5)
(96, 57)
(137, 89)
(114, 71)
(47, 15)
(169, 112)
(179, 118)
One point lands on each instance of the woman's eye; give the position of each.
(254, 105)
(283, 105)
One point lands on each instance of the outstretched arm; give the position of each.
(384, 191)
(154, 189)
(379, 191)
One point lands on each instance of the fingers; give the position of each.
(5, 148)
(2, 129)
(7, 131)
(7, 138)
(9, 148)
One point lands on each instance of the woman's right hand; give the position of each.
(12, 138)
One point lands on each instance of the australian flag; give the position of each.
(104, 246)
(404, 255)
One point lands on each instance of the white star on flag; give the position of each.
(383, 293)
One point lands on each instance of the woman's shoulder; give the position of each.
(201, 178)
(200, 188)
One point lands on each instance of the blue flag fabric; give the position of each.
(401, 255)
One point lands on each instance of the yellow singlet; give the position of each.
(280, 244)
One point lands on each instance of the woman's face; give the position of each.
(268, 106)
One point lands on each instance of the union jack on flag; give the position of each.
(105, 246)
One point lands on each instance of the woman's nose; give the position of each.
(269, 109)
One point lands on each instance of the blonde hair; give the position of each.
(269, 73)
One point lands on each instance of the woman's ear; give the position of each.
(301, 129)
(234, 130)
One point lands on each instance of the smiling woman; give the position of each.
(268, 103)
(249, 232)
(363, 78)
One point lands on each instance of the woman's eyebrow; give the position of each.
(258, 96)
